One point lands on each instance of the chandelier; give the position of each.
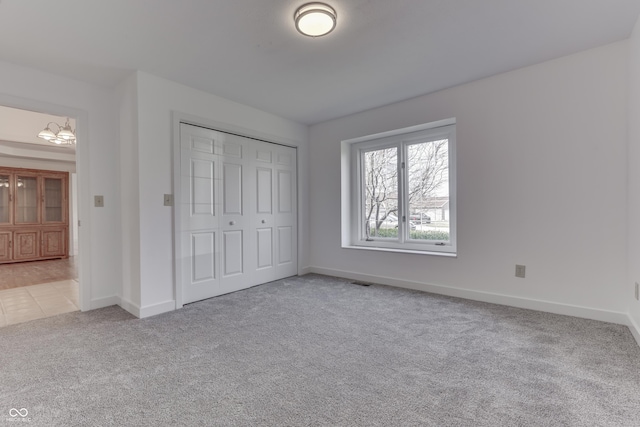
(64, 136)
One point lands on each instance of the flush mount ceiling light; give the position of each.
(315, 19)
(64, 136)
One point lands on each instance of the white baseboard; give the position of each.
(155, 309)
(136, 310)
(130, 307)
(539, 305)
(104, 302)
(634, 328)
(303, 271)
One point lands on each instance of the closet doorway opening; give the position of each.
(236, 212)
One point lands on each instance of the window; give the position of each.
(401, 190)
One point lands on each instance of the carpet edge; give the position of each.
(619, 318)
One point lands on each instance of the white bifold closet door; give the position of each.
(237, 212)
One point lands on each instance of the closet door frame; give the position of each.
(179, 118)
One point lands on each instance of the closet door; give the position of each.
(237, 212)
(275, 218)
(264, 223)
(236, 240)
(199, 213)
(286, 217)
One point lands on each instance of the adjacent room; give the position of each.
(38, 207)
(356, 212)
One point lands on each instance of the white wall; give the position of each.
(73, 214)
(634, 180)
(127, 98)
(552, 134)
(21, 162)
(93, 106)
(157, 99)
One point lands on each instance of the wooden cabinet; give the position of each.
(53, 243)
(5, 246)
(25, 245)
(6, 216)
(34, 214)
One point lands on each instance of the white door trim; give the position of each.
(176, 119)
(83, 178)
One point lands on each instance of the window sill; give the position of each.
(402, 251)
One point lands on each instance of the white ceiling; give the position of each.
(19, 136)
(382, 51)
(18, 125)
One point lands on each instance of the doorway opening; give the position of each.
(39, 271)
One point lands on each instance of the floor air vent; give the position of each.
(361, 283)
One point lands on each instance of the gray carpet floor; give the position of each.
(315, 350)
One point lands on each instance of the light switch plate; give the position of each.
(168, 199)
(98, 201)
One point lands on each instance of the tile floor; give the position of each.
(19, 305)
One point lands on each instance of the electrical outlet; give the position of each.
(520, 271)
(168, 199)
(637, 292)
(98, 201)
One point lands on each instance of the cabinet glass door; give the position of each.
(53, 200)
(4, 199)
(26, 199)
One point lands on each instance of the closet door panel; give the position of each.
(264, 196)
(203, 249)
(232, 189)
(285, 246)
(233, 253)
(264, 248)
(286, 215)
(237, 241)
(199, 219)
(263, 156)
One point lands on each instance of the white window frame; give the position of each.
(353, 227)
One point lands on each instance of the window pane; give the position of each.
(406, 189)
(52, 199)
(27, 199)
(4, 198)
(381, 193)
(428, 184)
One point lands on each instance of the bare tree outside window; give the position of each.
(428, 178)
(381, 192)
(427, 172)
(404, 183)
